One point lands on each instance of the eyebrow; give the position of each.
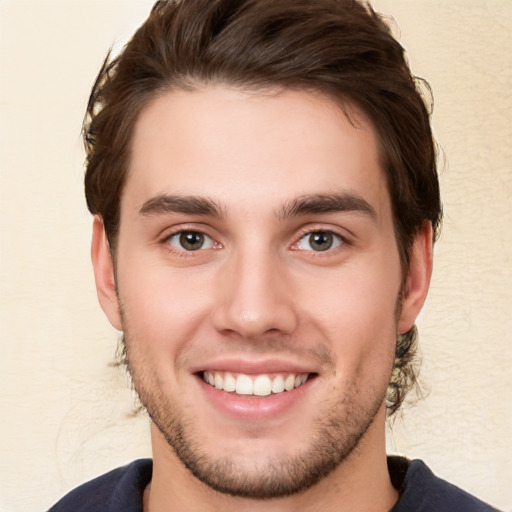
(188, 205)
(303, 205)
(327, 203)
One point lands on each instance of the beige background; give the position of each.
(65, 414)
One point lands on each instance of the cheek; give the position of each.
(162, 307)
(355, 311)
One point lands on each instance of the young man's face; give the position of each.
(256, 251)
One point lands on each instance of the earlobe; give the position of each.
(104, 274)
(418, 278)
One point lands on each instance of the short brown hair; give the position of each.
(340, 48)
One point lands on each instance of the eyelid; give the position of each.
(168, 235)
(307, 231)
(304, 232)
(208, 240)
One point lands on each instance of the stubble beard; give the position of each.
(335, 438)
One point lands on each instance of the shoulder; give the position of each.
(421, 490)
(118, 490)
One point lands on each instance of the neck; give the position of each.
(361, 482)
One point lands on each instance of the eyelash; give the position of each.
(340, 241)
(166, 241)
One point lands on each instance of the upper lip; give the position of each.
(251, 367)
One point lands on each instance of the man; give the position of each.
(263, 179)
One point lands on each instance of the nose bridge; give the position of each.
(255, 298)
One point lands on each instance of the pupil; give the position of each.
(191, 240)
(320, 241)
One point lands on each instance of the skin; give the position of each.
(258, 295)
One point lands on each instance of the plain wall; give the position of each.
(66, 414)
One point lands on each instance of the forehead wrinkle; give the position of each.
(191, 205)
(326, 203)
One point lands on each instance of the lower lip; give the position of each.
(253, 408)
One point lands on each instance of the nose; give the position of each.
(254, 297)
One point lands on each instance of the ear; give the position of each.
(418, 277)
(104, 273)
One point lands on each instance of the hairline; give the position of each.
(344, 102)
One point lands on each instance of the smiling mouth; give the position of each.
(255, 385)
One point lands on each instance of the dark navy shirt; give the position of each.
(121, 490)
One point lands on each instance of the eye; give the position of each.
(191, 241)
(319, 241)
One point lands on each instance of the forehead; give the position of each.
(250, 149)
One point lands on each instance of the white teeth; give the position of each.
(218, 380)
(278, 384)
(244, 385)
(258, 385)
(289, 383)
(229, 382)
(262, 386)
